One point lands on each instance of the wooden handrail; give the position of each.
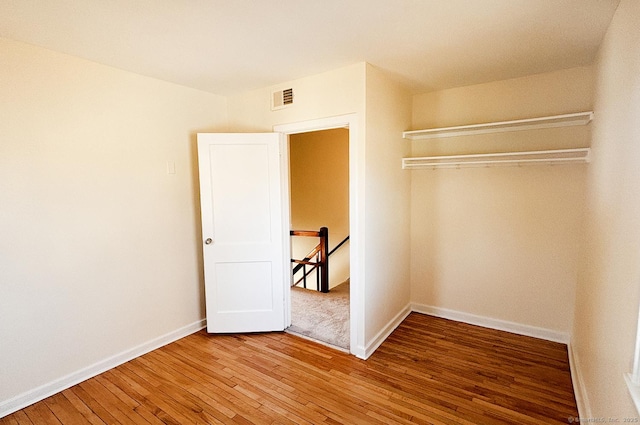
(307, 257)
(310, 233)
(322, 258)
(306, 263)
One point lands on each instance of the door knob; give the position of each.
(208, 241)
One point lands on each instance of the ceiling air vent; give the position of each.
(281, 99)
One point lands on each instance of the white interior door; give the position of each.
(243, 234)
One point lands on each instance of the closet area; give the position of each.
(498, 177)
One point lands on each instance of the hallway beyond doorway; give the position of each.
(321, 317)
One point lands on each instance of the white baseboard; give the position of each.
(582, 401)
(458, 316)
(487, 322)
(386, 331)
(359, 351)
(27, 398)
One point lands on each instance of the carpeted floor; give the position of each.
(323, 317)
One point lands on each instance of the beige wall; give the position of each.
(608, 292)
(336, 92)
(380, 204)
(100, 247)
(387, 192)
(500, 243)
(552, 93)
(319, 172)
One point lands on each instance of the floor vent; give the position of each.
(281, 99)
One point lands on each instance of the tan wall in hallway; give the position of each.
(319, 169)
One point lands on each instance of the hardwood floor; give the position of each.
(429, 371)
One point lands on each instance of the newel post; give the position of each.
(324, 259)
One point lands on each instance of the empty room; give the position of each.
(154, 190)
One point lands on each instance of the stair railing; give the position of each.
(317, 259)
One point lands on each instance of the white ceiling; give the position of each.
(228, 46)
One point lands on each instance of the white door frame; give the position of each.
(356, 218)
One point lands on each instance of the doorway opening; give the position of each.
(356, 219)
(319, 208)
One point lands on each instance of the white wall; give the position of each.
(100, 247)
(319, 172)
(500, 243)
(608, 292)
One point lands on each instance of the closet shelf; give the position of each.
(579, 118)
(558, 156)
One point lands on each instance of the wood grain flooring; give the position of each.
(429, 371)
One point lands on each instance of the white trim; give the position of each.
(286, 225)
(386, 331)
(635, 374)
(488, 322)
(340, 121)
(577, 379)
(634, 390)
(633, 379)
(40, 393)
(472, 319)
(356, 218)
